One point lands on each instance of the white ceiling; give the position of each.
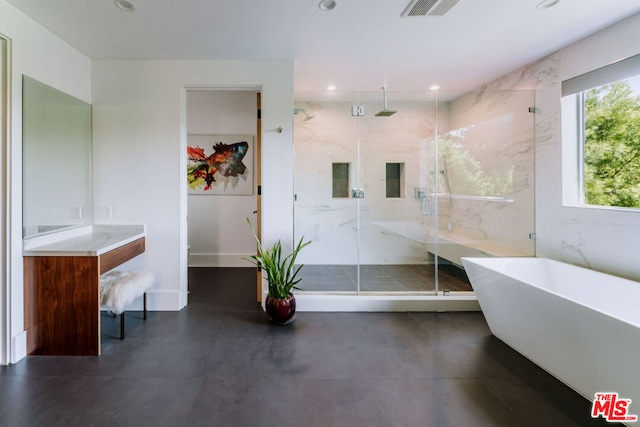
(360, 45)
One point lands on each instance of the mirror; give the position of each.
(56, 160)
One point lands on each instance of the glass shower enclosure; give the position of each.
(393, 189)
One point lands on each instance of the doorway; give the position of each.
(223, 128)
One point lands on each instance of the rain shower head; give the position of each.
(302, 110)
(385, 112)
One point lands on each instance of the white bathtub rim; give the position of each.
(483, 262)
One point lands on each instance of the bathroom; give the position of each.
(137, 113)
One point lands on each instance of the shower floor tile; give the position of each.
(382, 278)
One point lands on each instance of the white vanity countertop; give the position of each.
(92, 240)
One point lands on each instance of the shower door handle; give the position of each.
(427, 206)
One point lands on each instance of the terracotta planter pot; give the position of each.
(281, 311)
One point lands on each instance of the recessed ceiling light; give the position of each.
(125, 5)
(544, 4)
(327, 4)
(331, 87)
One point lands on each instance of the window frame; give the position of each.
(573, 123)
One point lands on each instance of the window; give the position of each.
(608, 133)
(395, 180)
(340, 178)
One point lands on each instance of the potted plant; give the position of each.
(282, 273)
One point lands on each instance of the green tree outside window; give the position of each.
(612, 146)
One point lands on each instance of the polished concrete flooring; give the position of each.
(383, 278)
(219, 362)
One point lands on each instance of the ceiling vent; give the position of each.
(428, 7)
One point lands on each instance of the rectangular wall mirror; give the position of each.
(56, 160)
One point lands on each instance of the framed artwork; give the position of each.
(220, 164)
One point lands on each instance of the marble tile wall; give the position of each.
(498, 132)
(395, 231)
(333, 135)
(602, 239)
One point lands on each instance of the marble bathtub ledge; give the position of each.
(92, 240)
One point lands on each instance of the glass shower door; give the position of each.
(393, 146)
(325, 171)
(482, 181)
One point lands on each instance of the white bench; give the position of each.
(118, 289)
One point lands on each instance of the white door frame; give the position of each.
(184, 231)
(5, 174)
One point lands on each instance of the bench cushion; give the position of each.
(120, 288)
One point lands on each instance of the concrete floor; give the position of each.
(219, 362)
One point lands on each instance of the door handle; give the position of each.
(427, 210)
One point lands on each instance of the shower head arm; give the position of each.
(384, 96)
(302, 110)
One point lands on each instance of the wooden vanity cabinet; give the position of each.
(62, 300)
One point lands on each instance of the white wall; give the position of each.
(39, 54)
(4, 194)
(603, 239)
(139, 154)
(218, 232)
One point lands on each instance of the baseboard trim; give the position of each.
(19, 347)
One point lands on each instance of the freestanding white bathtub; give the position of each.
(581, 326)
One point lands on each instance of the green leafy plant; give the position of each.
(281, 271)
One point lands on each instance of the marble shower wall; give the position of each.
(391, 229)
(602, 239)
(498, 130)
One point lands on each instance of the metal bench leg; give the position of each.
(122, 325)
